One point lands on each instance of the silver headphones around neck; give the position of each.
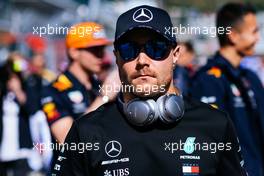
(168, 108)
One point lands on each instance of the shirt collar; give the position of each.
(95, 83)
(219, 59)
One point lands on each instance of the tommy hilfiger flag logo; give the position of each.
(190, 169)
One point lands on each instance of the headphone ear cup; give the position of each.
(141, 113)
(152, 103)
(170, 107)
(160, 108)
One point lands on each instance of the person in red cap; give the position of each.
(76, 90)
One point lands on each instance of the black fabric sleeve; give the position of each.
(53, 105)
(70, 161)
(231, 161)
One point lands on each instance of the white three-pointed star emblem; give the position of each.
(142, 15)
(113, 148)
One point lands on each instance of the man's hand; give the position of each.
(108, 90)
(111, 85)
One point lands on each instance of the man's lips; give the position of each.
(142, 75)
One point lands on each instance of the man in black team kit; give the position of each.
(150, 129)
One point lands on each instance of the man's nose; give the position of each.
(143, 59)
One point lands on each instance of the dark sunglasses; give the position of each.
(156, 50)
(98, 51)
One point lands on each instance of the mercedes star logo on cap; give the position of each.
(113, 148)
(142, 15)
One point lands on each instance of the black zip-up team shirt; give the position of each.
(208, 143)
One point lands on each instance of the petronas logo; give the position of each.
(189, 145)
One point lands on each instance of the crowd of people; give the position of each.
(38, 107)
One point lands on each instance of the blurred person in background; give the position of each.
(38, 67)
(224, 84)
(36, 81)
(76, 90)
(15, 135)
(184, 71)
(38, 78)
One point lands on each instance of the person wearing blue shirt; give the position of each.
(224, 84)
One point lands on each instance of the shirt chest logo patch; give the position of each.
(113, 149)
(235, 90)
(190, 169)
(237, 99)
(189, 145)
(215, 71)
(62, 84)
(189, 148)
(79, 108)
(117, 172)
(75, 96)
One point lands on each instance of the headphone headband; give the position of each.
(169, 108)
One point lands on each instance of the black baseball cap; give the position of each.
(147, 17)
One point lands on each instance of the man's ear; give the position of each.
(234, 36)
(74, 53)
(176, 54)
(117, 56)
(115, 52)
